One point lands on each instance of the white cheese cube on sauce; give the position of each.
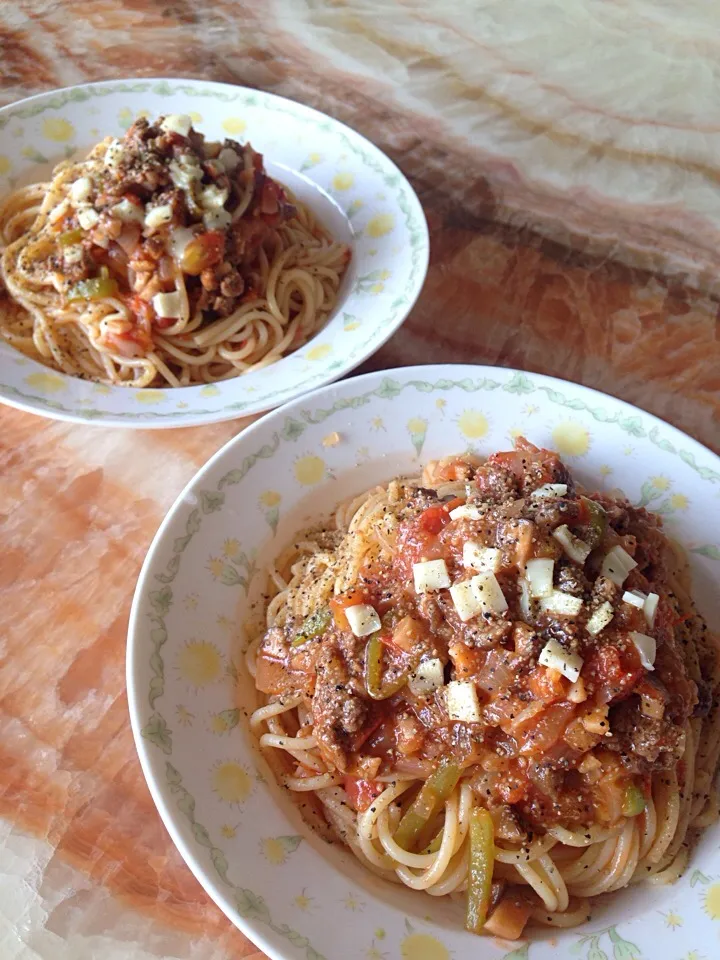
(430, 575)
(461, 701)
(363, 619)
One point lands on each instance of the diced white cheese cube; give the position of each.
(167, 304)
(177, 123)
(562, 603)
(363, 619)
(461, 701)
(216, 219)
(466, 511)
(489, 593)
(539, 573)
(465, 601)
(184, 171)
(113, 155)
(429, 676)
(481, 558)
(550, 491)
(573, 546)
(128, 212)
(635, 598)
(525, 601)
(617, 565)
(179, 239)
(228, 159)
(600, 618)
(646, 647)
(650, 608)
(87, 218)
(73, 254)
(212, 197)
(80, 190)
(430, 575)
(157, 216)
(553, 655)
(577, 692)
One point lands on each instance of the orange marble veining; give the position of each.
(559, 269)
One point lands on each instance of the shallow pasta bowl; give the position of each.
(351, 187)
(293, 894)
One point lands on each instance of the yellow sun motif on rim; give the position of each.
(270, 498)
(150, 396)
(319, 352)
(5, 165)
(57, 129)
(678, 501)
(343, 181)
(199, 662)
(416, 425)
(712, 901)
(672, 920)
(231, 547)
(571, 439)
(210, 391)
(231, 782)
(302, 901)
(605, 470)
(380, 225)
(274, 851)
(191, 601)
(185, 718)
(215, 566)
(309, 470)
(473, 424)
(49, 382)
(351, 902)
(233, 125)
(423, 946)
(228, 831)
(660, 483)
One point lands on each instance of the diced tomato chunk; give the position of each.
(613, 673)
(361, 793)
(433, 519)
(548, 684)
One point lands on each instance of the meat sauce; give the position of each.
(544, 750)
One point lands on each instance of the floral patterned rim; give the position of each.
(319, 444)
(351, 184)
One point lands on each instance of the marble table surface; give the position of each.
(567, 154)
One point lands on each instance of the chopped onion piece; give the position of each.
(577, 692)
(167, 304)
(480, 558)
(212, 197)
(573, 546)
(553, 655)
(464, 600)
(461, 700)
(430, 575)
(177, 123)
(650, 707)
(113, 154)
(562, 603)
(80, 190)
(600, 618)
(635, 598)
(525, 601)
(157, 216)
(617, 565)
(429, 676)
(88, 217)
(466, 511)
(363, 619)
(184, 171)
(651, 602)
(180, 238)
(228, 159)
(216, 219)
(539, 573)
(489, 593)
(646, 647)
(550, 491)
(128, 211)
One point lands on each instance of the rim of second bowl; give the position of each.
(162, 802)
(86, 409)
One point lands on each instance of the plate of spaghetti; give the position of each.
(175, 266)
(447, 667)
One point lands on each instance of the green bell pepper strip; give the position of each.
(633, 801)
(97, 288)
(373, 671)
(313, 626)
(433, 794)
(596, 526)
(481, 858)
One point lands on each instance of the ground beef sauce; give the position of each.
(544, 749)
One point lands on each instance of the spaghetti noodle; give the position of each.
(494, 687)
(163, 259)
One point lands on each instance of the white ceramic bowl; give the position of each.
(291, 893)
(353, 188)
